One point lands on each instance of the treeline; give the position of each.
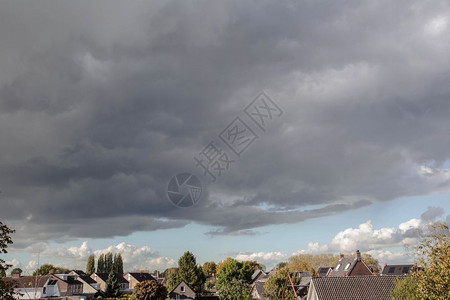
(106, 263)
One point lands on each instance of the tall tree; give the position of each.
(190, 272)
(101, 264)
(112, 286)
(150, 290)
(209, 268)
(118, 264)
(6, 288)
(232, 272)
(276, 284)
(108, 262)
(90, 266)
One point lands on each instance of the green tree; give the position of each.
(190, 272)
(232, 272)
(108, 262)
(112, 286)
(405, 289)
(235, 289)
(276, 284)
(209, 268)
(46, 269)
(172, 278)
(6, 288)
(118, 263)
(433, 250)
(150, 290)
(16, 271)
(101, 264)
(90, 266)
(311, 263)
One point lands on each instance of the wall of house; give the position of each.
(187, 294)
(360, 269)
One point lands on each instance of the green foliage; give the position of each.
(90, 266)
(190, 272)
(311, 263)
(6, 288)
(276, 283)
(118, 263)
(235, 289)
(232, 272)
(150, 290)
(209, 268)
(101, 264)
(108, 262)
(46, 269)
(433, 282)
(112, 286)
(16, 271)
(405, 289)
(172, 278)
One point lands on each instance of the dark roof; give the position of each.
(86, 278)
(323, 271)
(397, 269)
(141, 276)
(104, 277)
(344, 266)
(28, 281)
(79, 272)
(259, 286)
(354, 287)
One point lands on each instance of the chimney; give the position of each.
(358, 255)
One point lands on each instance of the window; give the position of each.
(44, 290)
(182, 289)
(405, 270)
(338, 266)
(346, 267)
(391, 270)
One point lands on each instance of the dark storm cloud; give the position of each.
(101, 105)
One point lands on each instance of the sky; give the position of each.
(328, 121)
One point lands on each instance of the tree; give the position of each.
(46, 269)
(371, 262)
(118, 263)
(150, 290)
(405, 289)
(90, 266)
(190, 272)
(233, 272)
(16, 271)
(6, 288)
(235, 289)
(172, 278)
(209, 268)
(112, 286)
(311, 263)
(276, 284)
(101, 264)
(108, 262)
(432, 280)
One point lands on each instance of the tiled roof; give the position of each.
(28, 281)
(259, 286)
(104, 277)
(354, 287)
(323, 271)
(344, 266)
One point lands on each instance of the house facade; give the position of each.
(135, 278)
(101, 278)
(34, 287)
(350, 266)
(182, 292)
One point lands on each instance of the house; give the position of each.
(258, 275)
(258, 292)
(352, 287)
(182, 292)
(90, 286)
(398, 269)
(34, 287)
(68, 284)
(101, 278)
(350, 266)
(303, 285)
(135, 278)
(323, 271)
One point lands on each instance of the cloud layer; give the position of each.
(101, 105)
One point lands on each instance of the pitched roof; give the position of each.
(28, 281)
(259, 286)
(397, 269)
(141, 276)
(323, 271)
(344, 266)
(104, 277)
(354, 287)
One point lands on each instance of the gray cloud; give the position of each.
(101, 105)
